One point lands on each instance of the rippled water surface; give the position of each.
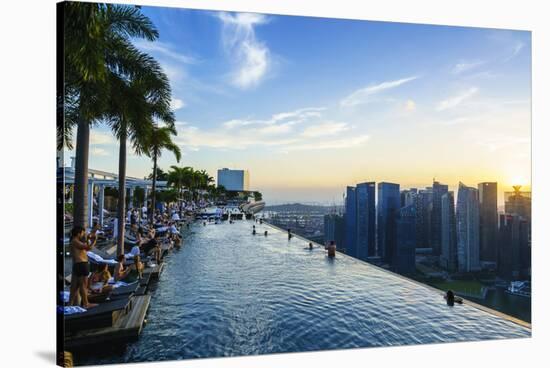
(227, 293)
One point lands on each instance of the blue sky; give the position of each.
(310, 105)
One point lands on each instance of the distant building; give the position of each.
(448, 258)
(334, 230)
(403, 256)
(366, 220)
(518, 203)
(467, 225)
(438, 191)
(424, 202)
(234, 180)
(350, 220)
(408, 197)
(512, 239)
(488, 222)
(389, 202)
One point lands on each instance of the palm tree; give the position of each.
(134, 106)
(160, 138)
(177, 178)
(96, 43)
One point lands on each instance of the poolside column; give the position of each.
(101, 203)
(90, 203)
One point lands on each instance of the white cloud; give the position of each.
(164, 49)
(292, 117)
(251, 57)
(454, 101)
(325, 129)
(518, 46)
(99, 152)
(100, 138)
(464, 66)
(364, 95)
(287, 131)
(177, 103)
(348, 142)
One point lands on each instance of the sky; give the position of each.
(310, 105)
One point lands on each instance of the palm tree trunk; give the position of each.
(121, 191)
(80, 208)
(153, 195)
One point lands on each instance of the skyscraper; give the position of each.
(518, 202)
(408, 197)
(366, 221)
(403, 256)
(389, 202)
(350, 221)
(513, 233)
(438, 191)
(448, 258)
(488, 217)
(467, 225)
(424, 200)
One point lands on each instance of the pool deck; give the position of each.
(465, 301)
(126, 326)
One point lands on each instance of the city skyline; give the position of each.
(311, 105)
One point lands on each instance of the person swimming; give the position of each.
(331, 248)
(289, 234)
(310, 245)
(254, 232)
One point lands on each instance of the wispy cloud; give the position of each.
(99, 152)
(454, 101)
(348, 142)
(100, 138)
(325, 129)
(364, 95)
(301, 129)
(251, 58)
(465, 66)
(177, 103)
(293, 117)
(517, 47)
(164, 49)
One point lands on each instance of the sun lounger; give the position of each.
(97, 317)
(124, 290)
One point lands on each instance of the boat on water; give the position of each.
(520, 288)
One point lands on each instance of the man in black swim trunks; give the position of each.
(80, 245)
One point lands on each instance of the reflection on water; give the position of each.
(227, 293)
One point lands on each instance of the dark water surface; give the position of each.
(228, 293)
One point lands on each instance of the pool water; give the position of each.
(228, 293)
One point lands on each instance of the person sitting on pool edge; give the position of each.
(452, 298)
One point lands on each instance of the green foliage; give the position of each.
(257, 196)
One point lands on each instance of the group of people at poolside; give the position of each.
(88, 288)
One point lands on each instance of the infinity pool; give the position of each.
(228, 292)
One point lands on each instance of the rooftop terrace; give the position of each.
(228, 292)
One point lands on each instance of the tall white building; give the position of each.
(234, 180)
(467, 229)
